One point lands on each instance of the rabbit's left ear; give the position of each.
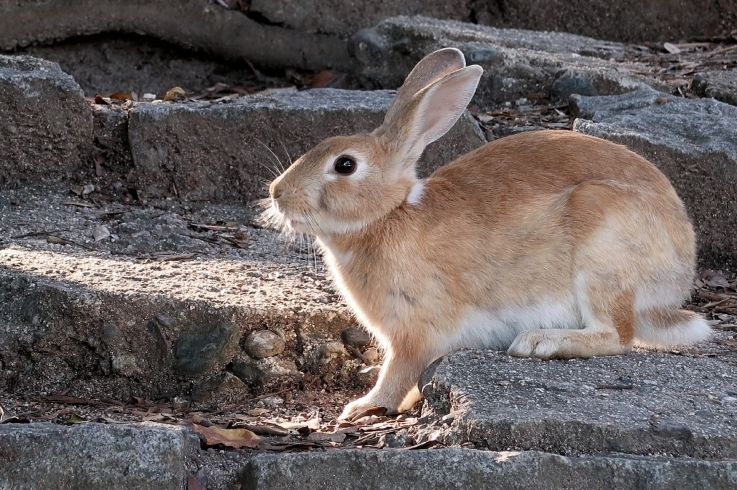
(430, 113)
(430, 69)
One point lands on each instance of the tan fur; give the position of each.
(580, 230)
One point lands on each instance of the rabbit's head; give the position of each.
(346, 182)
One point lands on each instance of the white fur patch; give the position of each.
(498, 328)
(415, 195)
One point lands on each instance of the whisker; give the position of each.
(284, 147)
(276, 158)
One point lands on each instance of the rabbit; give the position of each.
(550, 244)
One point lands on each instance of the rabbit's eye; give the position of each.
(344, 165)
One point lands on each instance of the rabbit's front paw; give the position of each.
(359, 406)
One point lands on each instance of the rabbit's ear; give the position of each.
(430, 69)
(430, 113)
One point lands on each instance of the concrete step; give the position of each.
(645, 403)
(91, 456)
(464, 468)
(111, 317)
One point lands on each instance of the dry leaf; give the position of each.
(263, 430)
(257, 412)
(174, 94)
(228, 437)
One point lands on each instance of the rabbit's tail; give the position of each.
(663, 328)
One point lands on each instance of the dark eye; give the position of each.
(344, 165)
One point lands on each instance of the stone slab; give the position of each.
(643, 403)
(516, 63)
(106, 320)
(694, 142)
(224, 151)
(208, 27)
(90, 456)
(443, 469)
(45, 123)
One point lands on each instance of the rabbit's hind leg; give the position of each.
(609, 322)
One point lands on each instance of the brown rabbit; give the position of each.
(550, 244)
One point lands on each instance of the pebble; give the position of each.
(264, 343)
(271, 402)
(371, 355)
(198, 350)
(355, 336)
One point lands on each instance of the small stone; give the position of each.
(331, 350)
(371, 355)
(260, 371)
(219, 384)
(126, 365)
(355, 336)
(729, 399)
(264, 343)
(271, 401)
(148, 97)
(199, 350)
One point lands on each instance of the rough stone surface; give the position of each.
(264, 343)
(223, 151)
(642, 403)
(199, 350)
(462, 469)
(265, 373)
(515, 63)
(90, 456)
(191, 24)
(45, 123)
(694, 142)
(105, 322)
(629, 20)
(720, 85)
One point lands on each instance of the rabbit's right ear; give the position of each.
(429, 114)
(430, 69)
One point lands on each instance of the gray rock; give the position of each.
(199, 350)
(212, 29)
(720, 85)
(464, 469)
(566, 86)
(271, 371)
(222, 386)
(264, 343)
(584, 406)
(223, 151)
(515, 62)
(92, 456)
(694, 142)
(355, 336)
(628, 20)
(46, 129)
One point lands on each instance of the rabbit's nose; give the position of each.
(276, 190)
